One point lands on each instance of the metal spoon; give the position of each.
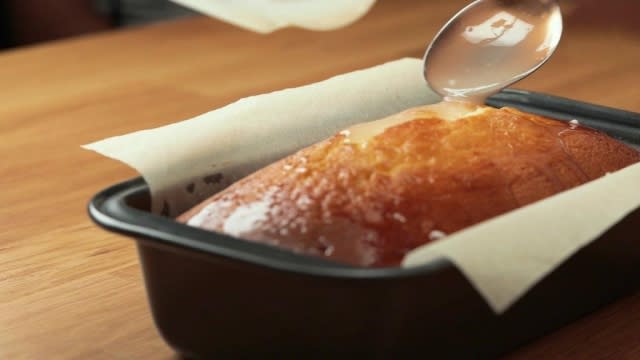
(491, 44)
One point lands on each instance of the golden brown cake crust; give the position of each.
(368, 202)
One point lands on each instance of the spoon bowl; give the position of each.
(491, 44)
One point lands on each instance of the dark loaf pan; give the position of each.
(212, 295)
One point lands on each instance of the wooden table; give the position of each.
(71, 290)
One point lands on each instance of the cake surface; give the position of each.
(374, 192)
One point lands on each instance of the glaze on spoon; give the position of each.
(491, 44)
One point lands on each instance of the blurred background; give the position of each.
(26, 22)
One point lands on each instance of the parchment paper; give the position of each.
(505, 256)
(265, 16)
(184, 163)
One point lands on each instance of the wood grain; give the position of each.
(70, 290)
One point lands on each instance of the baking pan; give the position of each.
(212, 295)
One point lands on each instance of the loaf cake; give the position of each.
(374, 192)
